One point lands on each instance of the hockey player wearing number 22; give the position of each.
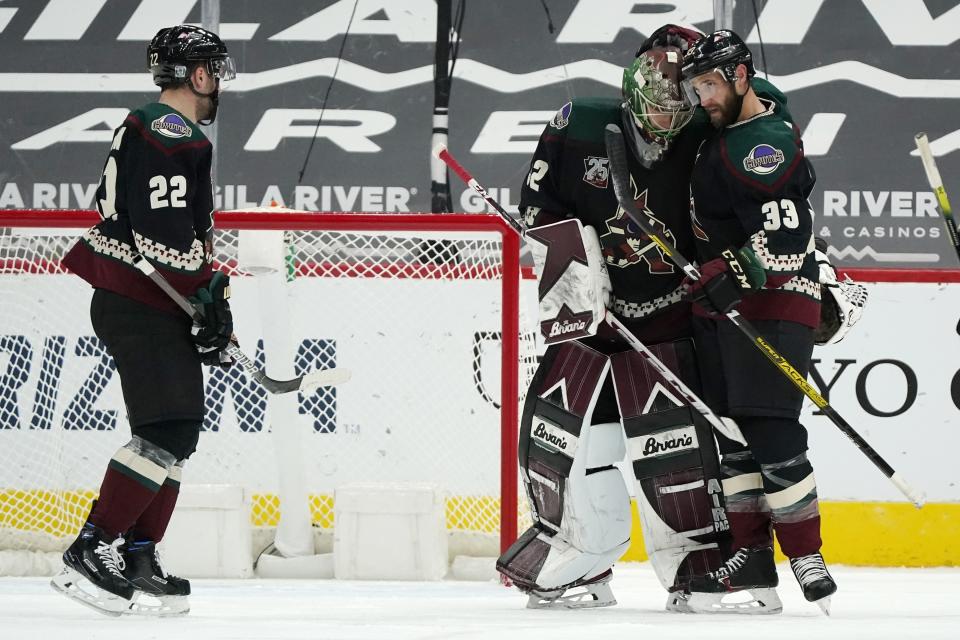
(156, 201)
(593, 398)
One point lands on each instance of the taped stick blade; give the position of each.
(324, 378)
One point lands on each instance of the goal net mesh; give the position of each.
(415, 313)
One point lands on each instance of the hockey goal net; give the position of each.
(425, 310)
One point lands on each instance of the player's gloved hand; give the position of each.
(724, 280)
(213, 332)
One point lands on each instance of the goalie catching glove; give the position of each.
(724, 280)
(841, 301)
(212, 333)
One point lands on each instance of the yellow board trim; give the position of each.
(876, 534)
(884, 534)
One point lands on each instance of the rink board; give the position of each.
(895, 379)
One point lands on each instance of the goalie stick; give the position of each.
(730, 431)
(936, 183)
(619, 175)
(307, 382)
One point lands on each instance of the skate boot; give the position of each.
(580, 594)
(814, 579)
(158, 593)
(93, 572)
(745, 584)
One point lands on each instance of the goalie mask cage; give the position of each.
(424, 309)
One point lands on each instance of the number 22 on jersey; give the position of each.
(164, 192)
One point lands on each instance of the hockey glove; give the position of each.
(724, 280)
(841, 301)
(213, 332)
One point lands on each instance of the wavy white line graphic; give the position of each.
(478, 73)
(877, 256)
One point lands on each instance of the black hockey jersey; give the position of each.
(570, 178)
(750, 186)
(156, 200)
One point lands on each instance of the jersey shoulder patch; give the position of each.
(764, 151)
(585, 118)
(165, 125)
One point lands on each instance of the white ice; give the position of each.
(897, 604)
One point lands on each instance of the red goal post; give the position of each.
(392, 263)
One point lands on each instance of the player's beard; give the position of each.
(728, 112)
(207, 107)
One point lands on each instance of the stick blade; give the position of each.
(324, 378)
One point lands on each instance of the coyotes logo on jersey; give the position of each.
(625, 245)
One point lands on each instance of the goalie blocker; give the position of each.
(578, 423)
(574, 286)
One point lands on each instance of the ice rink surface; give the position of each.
(897, 604)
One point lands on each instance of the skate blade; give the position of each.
(824, 604)
(757, 602)
(587, 597)
(148, 605)
(677, 603)
(75, 586)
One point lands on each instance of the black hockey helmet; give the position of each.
(722, 50)
(671, 35)
(175, 51)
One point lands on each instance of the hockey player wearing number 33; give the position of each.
(753, 228)
(156, 201)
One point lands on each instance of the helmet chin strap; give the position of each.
(738, 104)
(214, 98)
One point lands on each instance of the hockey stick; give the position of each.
(729, 430)
(305, 383)
(936, 183)
(619, 174)
(441, 152)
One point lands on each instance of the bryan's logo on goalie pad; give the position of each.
(664, 443)
(553, 438)
(567, 325)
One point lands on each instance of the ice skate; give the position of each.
(92, 573)
(746, 584)
(586, 594)
(814, 579)
(158, 593)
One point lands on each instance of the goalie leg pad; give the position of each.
(679, 494)
(578, 498)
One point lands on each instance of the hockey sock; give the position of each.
(747, 509)
(134, 476)
(792, 494)
(152, 523)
